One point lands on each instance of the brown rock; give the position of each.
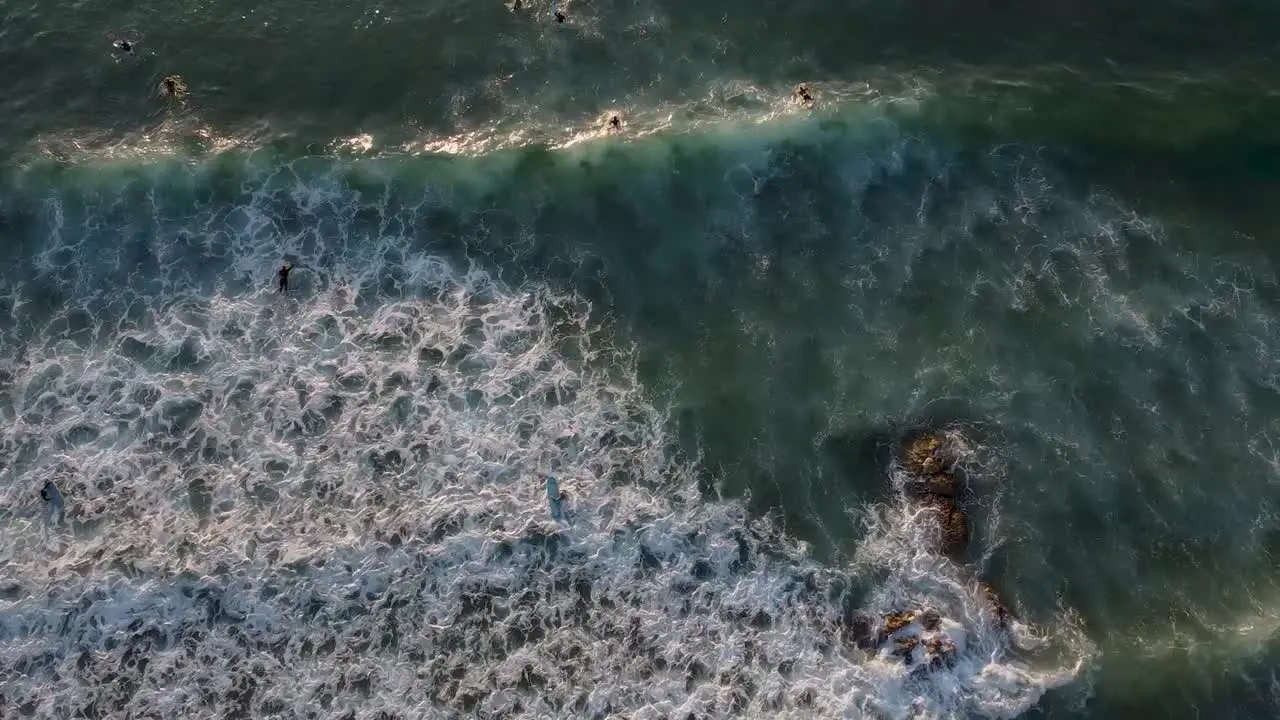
(920, 450)
(955, 531)
(893, 622)
(953, 525)
(939, 484)
(942, 651)
(904, 647)
(996, 604)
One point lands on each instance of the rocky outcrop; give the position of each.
(930, 461)
(916, 638)
(954, 525)
(941, 652)
(893, 622)
(905, 648)
(996, 605)
(933, 485)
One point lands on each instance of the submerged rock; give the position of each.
(941, 651)
(939, 485)
(955, 528)
(905, 647)
(857, 629)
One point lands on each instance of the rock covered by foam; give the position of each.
(918, 637)
(926, 523)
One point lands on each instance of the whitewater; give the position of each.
(332, 503)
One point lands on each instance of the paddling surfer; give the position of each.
(173, 86)
(283, 275)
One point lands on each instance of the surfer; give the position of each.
(173, 86)
(516, 5)
(53, 498)
(615, 122)
(123, 46)
(559, 16)
(555, 498)
(803, 96)
(283, 275)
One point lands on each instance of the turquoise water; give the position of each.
(1035, 232)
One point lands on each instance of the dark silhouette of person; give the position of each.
(517, 4)
(615, 122)
(283, 275)
(123, 46)
(173, 86)
(803, 95)
(559, 16)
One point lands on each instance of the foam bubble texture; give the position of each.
(333, 505)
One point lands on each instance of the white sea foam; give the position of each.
(332, 504)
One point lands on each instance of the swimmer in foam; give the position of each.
(282, 275)
(555, 498)
(802, 95)
(614, 123)
(53, 499)
(123, 46)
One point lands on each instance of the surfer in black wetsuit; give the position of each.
(173, 86)
(53, 498)
(559, 16)
(802, 95)
(123, 46)
(516, 5)
(283, 275)
(615, 122)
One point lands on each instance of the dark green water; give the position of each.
(1048, 226)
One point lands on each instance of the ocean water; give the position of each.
(1042, 233)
